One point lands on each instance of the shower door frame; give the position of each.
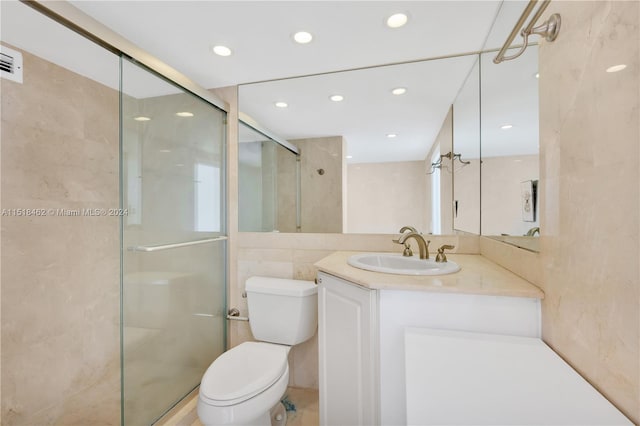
(69, 16)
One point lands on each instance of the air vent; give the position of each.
(10, 64)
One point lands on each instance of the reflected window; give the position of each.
(207, 207)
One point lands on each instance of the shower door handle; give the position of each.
(176, 245)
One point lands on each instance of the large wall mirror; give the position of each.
(368, 139)
(446, 145)
(510, 149)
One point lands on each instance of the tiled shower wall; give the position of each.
(60, 274)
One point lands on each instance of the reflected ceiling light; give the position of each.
(141, 118)
(336, 98)
(281, 104)
(221, 50)
(165, 150)
(302, 37)
(399, 91)
(184, 114)
(391, 135)
(179, 165)
(537, 75)
(616, 68)
(349, 157)
(506, 127)
(397, 20)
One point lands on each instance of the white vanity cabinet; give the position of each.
(348, 345)
(361, 340)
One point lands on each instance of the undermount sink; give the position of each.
(395, 263)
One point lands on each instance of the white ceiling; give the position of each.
(369, 110)
(347, 34)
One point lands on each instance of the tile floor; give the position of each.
(304, 400)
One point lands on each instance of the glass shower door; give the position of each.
(174, 242)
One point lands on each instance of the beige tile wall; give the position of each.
(60, 275)
(590, 254)
(589, 148)
(293, 256)
(383, 197)
(321, 194)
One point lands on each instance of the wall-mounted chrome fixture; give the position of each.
(549, 30)
(451, 156)
(234, 314)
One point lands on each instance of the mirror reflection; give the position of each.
(510, 149)
(466, 140)
(267, 182)
(447, 145)
(367, 141)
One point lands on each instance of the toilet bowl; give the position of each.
(243, 385)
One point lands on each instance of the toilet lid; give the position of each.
(244, 371)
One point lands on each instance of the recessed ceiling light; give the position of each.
(281, 104)
(391, 135)
(302, 37)
(221, 50)
(336, 98)
(349, 157)
(399, 91)
(141, 118)
(616, 68)
(397, 20)
(506, 126)
(537, 75)
(184, 114)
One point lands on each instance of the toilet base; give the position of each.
(278, 415)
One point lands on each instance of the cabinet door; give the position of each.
(348, 345)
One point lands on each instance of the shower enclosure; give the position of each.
(113, 294)
(173, 241)
(268, 183)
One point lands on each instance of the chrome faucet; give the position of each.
(422, 244)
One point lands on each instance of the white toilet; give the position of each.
(245, 383)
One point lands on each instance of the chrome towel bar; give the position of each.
(549, 30)
(176, 245)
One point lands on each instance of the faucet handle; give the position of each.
(441, 257)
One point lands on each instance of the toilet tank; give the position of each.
(282, 310)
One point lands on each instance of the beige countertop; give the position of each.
(478, 275)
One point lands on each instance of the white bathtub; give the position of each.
(462, 378)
